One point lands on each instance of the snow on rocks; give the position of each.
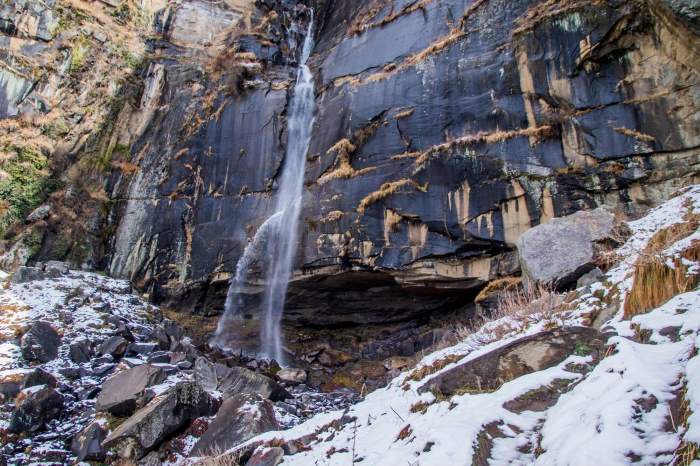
(613, 405)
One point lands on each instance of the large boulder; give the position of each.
(40, 343)
(87, 444)
(162, 417)
(125, 392)
(115, 346)
(239, 419)
(34, 408)
(235, 380)
(562, 250)
(526, 355)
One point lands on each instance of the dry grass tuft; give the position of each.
(528, 300)
(404, 433)
(404, 114)
(344, 169)
(502, 284)
(333, 216)
(420, 407)
(535, 132)
(386, 190)
(658, 279)
(635, 134)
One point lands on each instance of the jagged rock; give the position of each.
(157, 421)
(80, 351)
(114, 346)
(25, 274)
(87, 444)
(141, 348)
(205, 374)
(40, 213)
(55, 269)
(590, 278)
(159, 357)
(528, 354)
(292, 375)
(266, 456)
(238, 380)
(34, 407)
(239, 419)
(40, 343)
(39, 377)
(125, 392)
(562, 250)
(172, 329)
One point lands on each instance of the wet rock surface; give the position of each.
(430, 157)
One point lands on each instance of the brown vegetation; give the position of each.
(386, 190)
(547, 10)
(635, 134)
(536, 132)
(656, 281)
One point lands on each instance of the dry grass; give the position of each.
(655, 281)
(502, 284)
(635, 134)
(333, 216)
(668, 236)
(434, 48)
(420, 407)
(686, 452)
(545, 11)
(386, 190)
(343, 170)
(404, 433)
(536, 132)
(528, 300)
(404, 114)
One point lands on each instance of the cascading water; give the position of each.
(279, 232)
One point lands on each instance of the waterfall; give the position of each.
(279, 234)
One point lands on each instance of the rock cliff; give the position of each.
(444, 130)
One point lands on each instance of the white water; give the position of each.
(279, 234)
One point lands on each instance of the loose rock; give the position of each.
(123, 393)
(40, 343)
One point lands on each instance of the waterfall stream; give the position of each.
(277, 236)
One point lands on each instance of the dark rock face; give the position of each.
(40, 343)
(239, 419)
(429, 156)
(123, 393)
(529, 354)
(34, 407)
(87, 444)
(154, 423)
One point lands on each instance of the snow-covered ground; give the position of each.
(619, 411)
